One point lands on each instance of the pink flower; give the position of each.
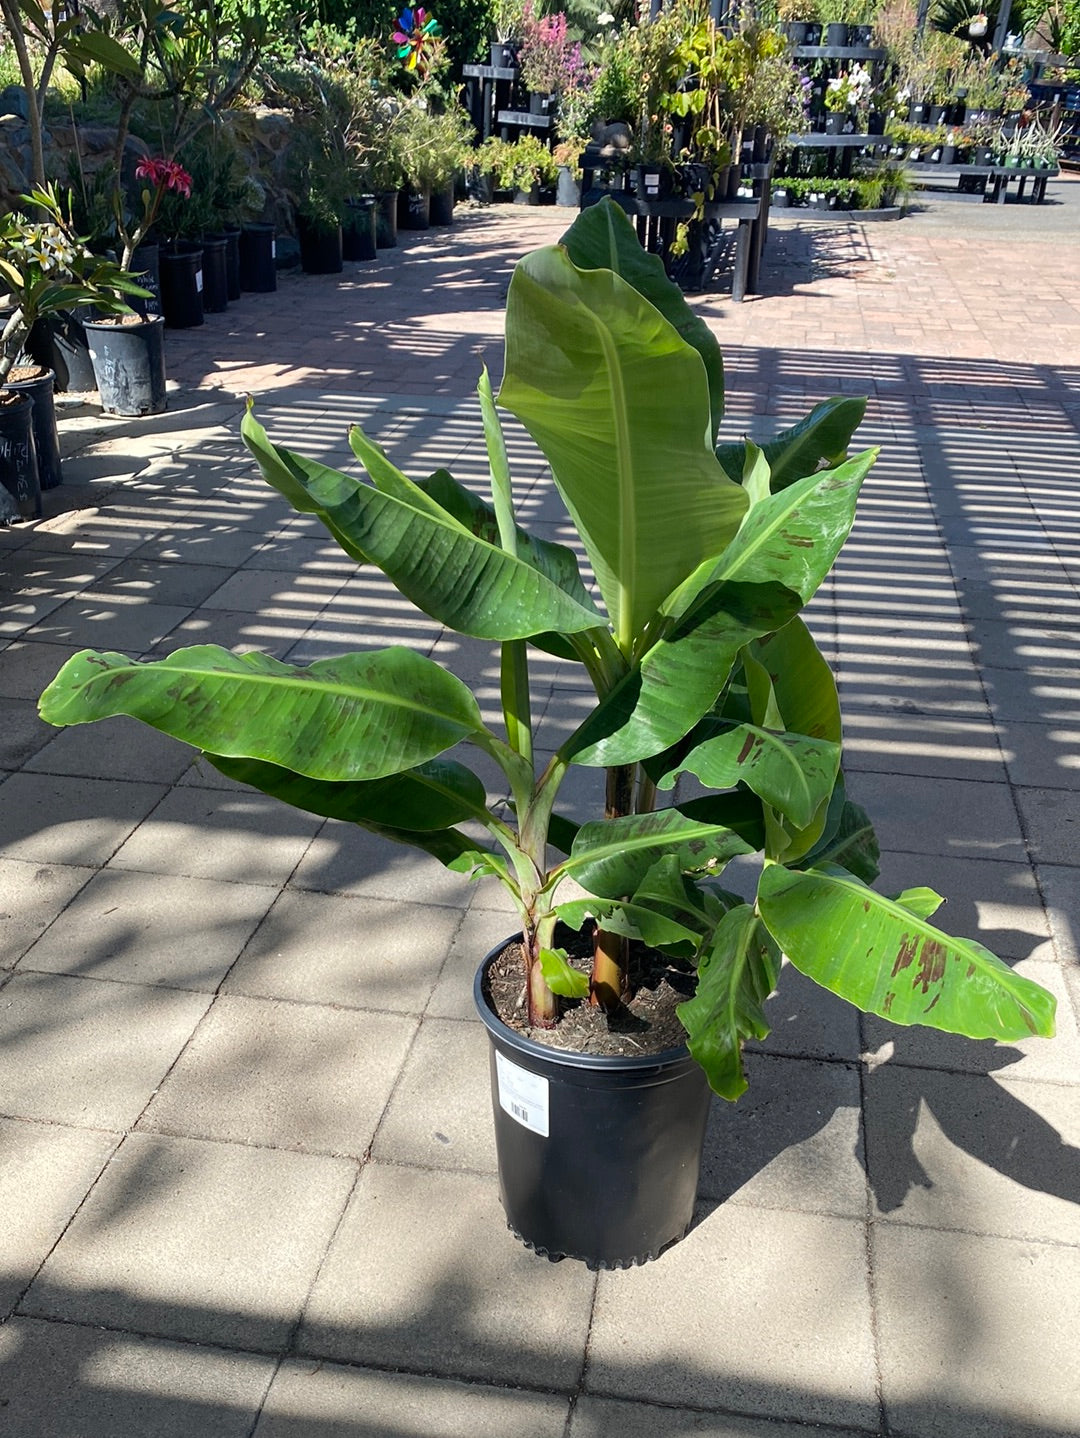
(164, 175)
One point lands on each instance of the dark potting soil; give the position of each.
(648, 1024)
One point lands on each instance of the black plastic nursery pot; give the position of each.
(441, 207)
(232, 263)
(146, 267)
(358, 237)
(598, 1157)
(43, 423)
(215, 292)
(18, 459)
(129, 363)
(182, 285)
(58, 342)
(258, 259)
(414, 210)
(386, 209)
(320, 249)
(836, 34)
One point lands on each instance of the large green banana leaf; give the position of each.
(619, 404)
(735, 978)
(361, 716)
(782, 552)
(423, 802)
(821, 438)
(602, 238)
(463, 581)
(792, 772)
(848, 840)
(611, 857)
(886, 960)
(431, 796)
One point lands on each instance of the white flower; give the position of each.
(605, 18)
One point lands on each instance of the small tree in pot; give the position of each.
(703, 557)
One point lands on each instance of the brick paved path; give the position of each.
(247, 1176)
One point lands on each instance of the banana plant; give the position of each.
(704, 553)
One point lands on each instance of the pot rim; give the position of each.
(105, 324)
(566, 1058)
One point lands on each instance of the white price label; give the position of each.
(273, 249)
(198, 281)
(523, 1095)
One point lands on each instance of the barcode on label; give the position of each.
(523, 1095)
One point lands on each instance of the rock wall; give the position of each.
(262, 133)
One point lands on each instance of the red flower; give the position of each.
(164, 175)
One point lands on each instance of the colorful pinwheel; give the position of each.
(413, 37)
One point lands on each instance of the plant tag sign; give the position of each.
(652, 182)
(198, 281)
(273, 249)
(523, 1095)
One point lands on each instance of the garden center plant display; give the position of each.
(704, 554)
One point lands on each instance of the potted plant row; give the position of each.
(704, 551)
(45, 268)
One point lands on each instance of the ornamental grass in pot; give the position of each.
(704, 553)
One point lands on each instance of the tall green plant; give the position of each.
(704, 555)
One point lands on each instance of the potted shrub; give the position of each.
(507, 21)
(701, 665)
(46, 268)
(522, 166)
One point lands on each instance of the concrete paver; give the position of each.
(314, 1399)
(283, 1075)
(456, 1306)
(81, 1052)
(924, 1288)
(209, 1242)
(741, 1314)
(151, 929)
(102, 1383)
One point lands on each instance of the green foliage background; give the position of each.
(465, 24)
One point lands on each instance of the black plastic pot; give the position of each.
(258, 255)
(781, 200)
(504, 54)
(836, 35)
(540, 102)
(181, 285)
(320, 249)
(441, 207)
(813, 33)
(860, 34)
(215, 291)
(58, 342)
(386, 220)
(598, 1157)
(937, 114)
(796, 32)
(834, 123)
(875, 123)
(43, 422)
(146, 266)
(919, 112)
(358, 238)
(414, 210)
(531, 196)
(232, 263)
(129, 363)
(18, 461)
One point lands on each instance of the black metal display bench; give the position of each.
(710, 245)
(491, 95)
